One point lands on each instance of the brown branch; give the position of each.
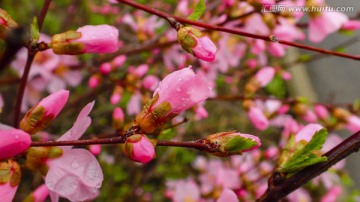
(279, 187)
(232, 31)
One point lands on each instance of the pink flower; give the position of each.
(76, 174)
(150, 82)
(321, 111)
(119, 60)
(265, 75)
(40, 194)
(205, 49)
(324, 24)
(332, 194)
(351, 25)
(95, 149)
(201, 113)
(177, 92)
(9, 184)
(184, 190)
(299, 195)
(139, 148)
(258, 118)
(308, 132)
(42, 114)
(196, 43)
(105, 68)
(87, 39)
(13, 142)
(353, 123)
(115, 98)
(227, 195)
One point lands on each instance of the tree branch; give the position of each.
(279, 186)
(233, 31)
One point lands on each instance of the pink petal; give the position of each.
(182, 89)
(258, 118)
(265, 75)
(54, 103)
(82, 122)
(13, 142)
(205, 49)
(7, 192)
(76, 175)
(227, 195)
(41, 193)
(308, 132)
(99, 38)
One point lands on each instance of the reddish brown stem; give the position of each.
(232, 31)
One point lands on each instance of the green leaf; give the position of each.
(277, 87)
(198, 11)
(304, 156)
(34, 29)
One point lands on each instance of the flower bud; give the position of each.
(39, 195)
(258, 118)
(13, 142)
(118, 118)
(86, 39)
(196, 43)
(105, 68)
(41, 115)
(139, 148)
(232, 143)
(177, 92)
(6, 20)
(9, 180)
(94, 81)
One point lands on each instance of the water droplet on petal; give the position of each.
(75, 165)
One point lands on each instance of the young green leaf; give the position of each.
(305, 156)
(198, 11)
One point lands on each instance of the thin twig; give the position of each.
(232, 31)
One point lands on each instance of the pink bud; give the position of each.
(351, 25)
(41, 193)
(141, 70)
(271, 152)
(119, 60)
(258, 118)
(94, 81)
(99, 38)
(308, 132)
(309, 116)
(42, 114)
(105, 68)
(115, 98)
(321, 111)
(118, 114)
(139, 148)
(227, 195)
(205, 49)
(95, 149)
(150, 82)
(353, 123)
(13, 142)
(332, 194)
(201, 113)
(286, 75)
(252, 63)
(196, 43)
(265, 75)
(177, 92)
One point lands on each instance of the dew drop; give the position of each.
(75, 165)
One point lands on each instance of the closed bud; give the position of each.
(139, 148)
(41, 115)
(232, 143)
(196, 43)
(118, 118)
(13, 142)
(6, 20)
(39, 195)
(86, 39)
(177, 92)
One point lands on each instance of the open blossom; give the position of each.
(13, 142)
(139, 148)
(324, 24)
(42, 114)
(76, 174)
(86, 39)
(196, 43)
(177, 92)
